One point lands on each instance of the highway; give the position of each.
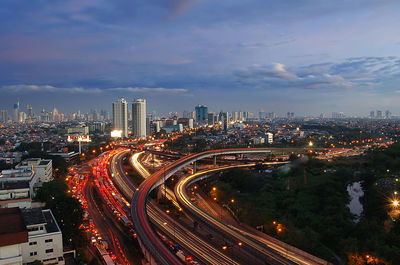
(198, 247)
(147, 235)
(269, 247)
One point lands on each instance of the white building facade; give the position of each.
(120, 116)
(139, 118)
(44, 238)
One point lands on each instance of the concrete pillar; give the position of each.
(215, 161)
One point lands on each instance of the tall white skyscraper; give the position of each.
(139, 117)
(120, 116)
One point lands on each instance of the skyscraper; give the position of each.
(120, 116)
(201, 113)
(3, 116)
(139, 118)
(16, 112)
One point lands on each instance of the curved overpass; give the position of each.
(148, 237)
(265, 245)
(198, 247)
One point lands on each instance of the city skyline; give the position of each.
(309, 57)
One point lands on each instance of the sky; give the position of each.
(303, 56)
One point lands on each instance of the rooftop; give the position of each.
(14, 185)
(36, 216)
(12, 227)
(33, 216)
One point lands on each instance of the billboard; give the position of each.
(116, 133)
(78, 138)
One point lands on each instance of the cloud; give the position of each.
(81, 90)
(149, 89)
(360, 72)
(279, 77)
(177, 7)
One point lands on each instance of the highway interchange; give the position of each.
(164, 238)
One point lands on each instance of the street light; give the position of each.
(395, 203)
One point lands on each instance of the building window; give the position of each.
(48, 240)
(41, 228)
(32, 243)
(33, 253)
(50, 250)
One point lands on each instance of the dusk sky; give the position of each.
(305, 56)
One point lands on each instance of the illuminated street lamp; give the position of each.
(395, 203)
(214, 188)
(232, 200)
(224, 247)
(310, 144)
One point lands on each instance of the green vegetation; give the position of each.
(306, 205)
(66, 210)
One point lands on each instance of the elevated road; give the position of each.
(148, 237)
(265, 245)
(187, 239)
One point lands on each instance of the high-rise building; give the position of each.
(3, 116)
(388, 114)
(290, 115)
(120, 116)
(201, 113)
(372, 114)
(261, 114)
(379, 114)
(16, 112)
(139, 118)
(29, 111)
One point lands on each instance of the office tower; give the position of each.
(290, 115)
(55, 114)
(338, 115)
(379, 114)
(139, 118)
(29, 111)
(16, 111)
(3, 116)
(224, 119)
(271, 115)
(261, 114)
(201, 113)
(388, 114)
(120, 116)
(372, 114)
(210, 118)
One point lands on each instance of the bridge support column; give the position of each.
(215, 161)
(194, 167)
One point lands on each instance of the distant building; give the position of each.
(261, 114)
(290, 115)
(338, 115)
(258, 140)
(97, 127)
(80, 130)
(139, 118)
(3, 116)
(379, 114)
(173, 128)
(269, 137)
(120, 116)
(372, 114)
(201, 114)
(388, 114)
(16, 112)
